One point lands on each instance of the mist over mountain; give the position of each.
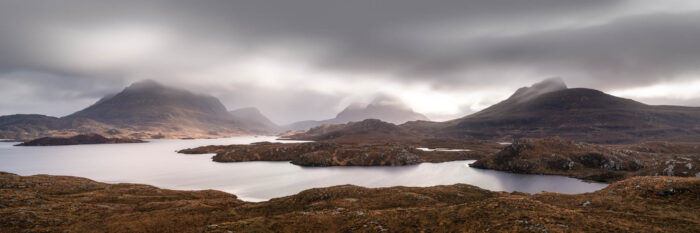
(150, 104)
(545, 86)
(549, 108)
(145, 109)
(369, 130)
(252, 118)
(384, 109)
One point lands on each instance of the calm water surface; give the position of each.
(156, 163)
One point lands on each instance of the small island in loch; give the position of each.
(78, 140)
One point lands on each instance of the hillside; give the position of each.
(30, 126)
(550, 109)
(150, 106)
(252, 118)
(143, 110)
(388, 111)
(370, 130)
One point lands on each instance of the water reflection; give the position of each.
(156, 163)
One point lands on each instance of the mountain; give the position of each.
(30, 126)
(254, 119)
(369, 130)
(549, 108)
(143, 109)
(26, 125)
(383, 109)
(151, 106)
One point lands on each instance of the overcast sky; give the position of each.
(308, 59)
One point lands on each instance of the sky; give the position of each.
(309, 59)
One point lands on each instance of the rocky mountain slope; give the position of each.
(389, 111)
(143, 110)
(150, 106)
(550, 108)
(252, 118)
(69, 204)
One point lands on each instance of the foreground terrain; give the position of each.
(58, 203)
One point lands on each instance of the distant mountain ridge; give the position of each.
(369, 130)
(545, 109)
(254, 119)
(391, 112)
(549, 108)
(143, 109)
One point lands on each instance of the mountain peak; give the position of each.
(390, 110)
(544, 86)
(144, 84)
(382, 108)
(148, 103)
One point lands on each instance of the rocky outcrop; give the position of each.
(70, 204)
(560, 156)
(77, 140)
(333, 154)
(366, 131)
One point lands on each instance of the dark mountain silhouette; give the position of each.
(382, 109)
(550, 109)
(252, 118)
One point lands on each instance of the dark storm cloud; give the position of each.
(363, 25)
(450, 46)
(637, 50)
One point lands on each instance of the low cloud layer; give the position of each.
(308, 59)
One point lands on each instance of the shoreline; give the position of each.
(65, 203)
(251, 198)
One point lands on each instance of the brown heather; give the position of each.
(58, 204)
